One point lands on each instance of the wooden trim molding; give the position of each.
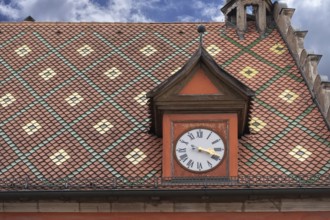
(165, 216)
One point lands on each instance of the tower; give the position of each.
(239, 12)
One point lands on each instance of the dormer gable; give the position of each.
(200, 87)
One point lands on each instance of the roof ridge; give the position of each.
(94, 22)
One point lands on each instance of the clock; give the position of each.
(200, 145)
(199, 150)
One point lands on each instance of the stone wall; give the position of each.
(307, 61)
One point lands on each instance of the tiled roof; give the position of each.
(72, 99)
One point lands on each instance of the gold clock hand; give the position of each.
(203, 149)
(210, 151)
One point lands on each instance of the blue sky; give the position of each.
(112, 10)
(310, 15)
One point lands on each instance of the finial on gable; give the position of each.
(201, 30)
(239, 12)
(29, 19)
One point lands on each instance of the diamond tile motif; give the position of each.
(256, 124)
(23, 50)
(249, 72)
(136, 156)
(148, 50)
(60, 157)
(300, 153)
(47, 74)
(103, 126)
(142, 99)
(7, 100)
(100, 148)
(288, 96)
(74, 99)
(213, 50)
(112, 73)
(31, 127)
(85, 50)
(278, 49)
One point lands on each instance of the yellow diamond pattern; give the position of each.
(103, 126)
(141, 99)
(7, 100)
(112, 73)
(85, 50)
(74, 99)
(300, 153)
(47, 74)
(288, 96)
(256, 124)
(213, 50)
(249, 72)
(278, 49)
(148, 50)
(31, 127)
(136, 156)
(60, 157)
(23, 50)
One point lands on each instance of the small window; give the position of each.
(251, 16)
(249, 10)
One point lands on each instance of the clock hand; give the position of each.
(210, 151)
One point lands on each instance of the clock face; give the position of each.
(199, 150)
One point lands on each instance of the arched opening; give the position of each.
(251, 12)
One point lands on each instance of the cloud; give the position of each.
(306, 3)
(210, 11)
(73, 10)
(7, 10)
(188, 18)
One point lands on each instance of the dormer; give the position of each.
(239, 12)
(200, 87)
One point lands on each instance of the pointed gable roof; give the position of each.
(201, 56)
(233, 98)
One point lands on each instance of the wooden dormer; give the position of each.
(200, 87)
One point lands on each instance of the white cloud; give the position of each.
(306, 3)
(188, 18)
(74, 10)
(210, 11)
(7, 10)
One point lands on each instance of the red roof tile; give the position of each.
(74, 106)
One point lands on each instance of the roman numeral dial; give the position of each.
(199, 150)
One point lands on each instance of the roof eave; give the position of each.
(168, 194)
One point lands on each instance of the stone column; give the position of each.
(241, 19)
(262, 17)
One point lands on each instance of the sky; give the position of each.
(310, 15)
